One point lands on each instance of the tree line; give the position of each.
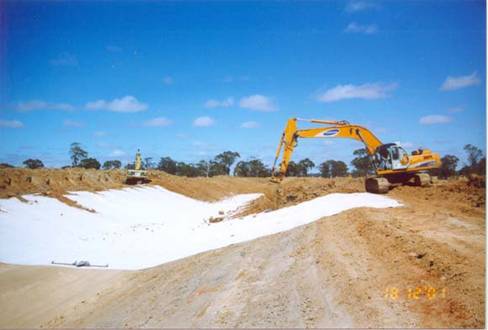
(476, 163)
(222, 163)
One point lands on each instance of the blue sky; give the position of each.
(192, 79)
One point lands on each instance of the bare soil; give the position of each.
(17, 182)
(420, 265)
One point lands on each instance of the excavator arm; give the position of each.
(334, 129)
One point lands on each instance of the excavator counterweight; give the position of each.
(391, 163)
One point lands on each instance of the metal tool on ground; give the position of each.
(391, 163)
(81, 263)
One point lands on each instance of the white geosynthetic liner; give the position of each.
(136, 228)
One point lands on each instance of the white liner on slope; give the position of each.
(136, 228)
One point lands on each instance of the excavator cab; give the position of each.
(390, 156)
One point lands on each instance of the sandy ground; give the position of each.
(421, 265)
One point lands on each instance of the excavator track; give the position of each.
(422, 179)
(377, 185)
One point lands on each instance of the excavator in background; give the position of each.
(137, 175)
(391, 163)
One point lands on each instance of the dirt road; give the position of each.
(421, 265)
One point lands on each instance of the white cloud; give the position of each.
(358, 28)
(72, 123)
(158, 122)
(168, 80)
(64, 59)
(117, 153)
(257, 102)
(349, 91)
(125, 104)
(250, 124)
(203, 122)
(355, 6)
(435, 119)
(455, 109)
(453, 83)
(228, 102)
(11, 123)
(99, 133)
(43, 105)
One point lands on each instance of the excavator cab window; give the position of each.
(390, 157)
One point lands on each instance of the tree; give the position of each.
(360, 162)
(111, 164)
(168, 165)
(448, 166)
(299, 169)
(217, 168)
(89, 163)
(258, 169)
(476, 161)
(242, 169)
(116, 164)
(339, 169)
(148, 163)
(326, 169)
(333, 168)
(203, 168)
(474, 155)
(184, 169)
(33, 163)
(223, 162)
(252, 168)
(292, 169)
(304, 166)
(77, 153)
(481, 166)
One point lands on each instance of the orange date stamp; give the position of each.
(424, 292)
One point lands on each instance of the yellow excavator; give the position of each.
(137, 175)
(391, 163)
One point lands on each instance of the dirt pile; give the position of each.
(16, 182)
(458, 196)
(57, 183)
(292, 191)
(209, 189)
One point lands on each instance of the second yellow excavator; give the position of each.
(391, 163)
(137, 175)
